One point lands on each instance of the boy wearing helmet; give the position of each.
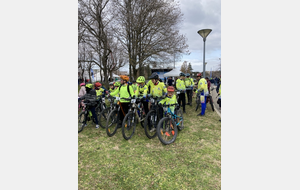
(170, 98)
(202, 89)
(91, 95)
(111, 87)
(180, 85)
(99, 90)
(124, 93)
(189, 83)
(142, 91)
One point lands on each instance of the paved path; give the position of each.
(214, 95)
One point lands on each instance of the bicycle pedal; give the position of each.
(167, 134)
(173, 133)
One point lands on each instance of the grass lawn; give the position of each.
(193, 161)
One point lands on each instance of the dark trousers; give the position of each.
(181, 100)
(125, 107)
(94, 114)
(189, 94)
(146, 108)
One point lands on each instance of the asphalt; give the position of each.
(214, 95)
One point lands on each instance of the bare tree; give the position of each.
(95, 18)
(184, 67)
(148, 30)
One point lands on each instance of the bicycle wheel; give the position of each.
(112, 123)
(81, 121)
(128, 125)
(166, 130)
(179, 120)
(102, 118)
(151, 122)
(197, 102)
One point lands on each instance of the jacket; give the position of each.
(180, 84)
(82, 91)
(122, 90)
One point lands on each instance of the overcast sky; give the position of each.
(202, 14)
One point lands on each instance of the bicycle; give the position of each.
(152, 118)
(85, 116)
(135, 114)
(167, 128)
(105, 112)
(113, 119)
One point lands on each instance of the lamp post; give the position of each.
(204, 33)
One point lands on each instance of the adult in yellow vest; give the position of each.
(157, 89)
(124, 93)
(180, 85)
(189, 83)
(202, 89)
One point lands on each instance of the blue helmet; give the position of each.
(182, 74)
(188, 74)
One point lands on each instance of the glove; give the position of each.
(159, 104)
(133, 96)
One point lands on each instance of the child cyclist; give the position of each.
(141, 90)
(91, 96)
(170, 98)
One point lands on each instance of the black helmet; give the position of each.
(182, 74)
(154, 76)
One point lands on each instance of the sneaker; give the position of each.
(184, 112)
(152, 130)
(200, 114)
(97, 126)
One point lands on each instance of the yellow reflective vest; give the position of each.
(123, 92)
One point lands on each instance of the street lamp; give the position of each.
(204, 33)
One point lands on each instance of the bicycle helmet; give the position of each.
(154, 76)
(199, 75)
(82, 84)
(133, 81)
(171, 89)
(111, 83)
(124, 77)
(89, 85)
(188, 74)
(141, 79)
(182, 74)
(117, 83)
(97, 84)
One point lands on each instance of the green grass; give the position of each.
(193, 161)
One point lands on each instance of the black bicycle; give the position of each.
(136, 114)
(102, 118)
(113, 119)
(85, 115)
(152, 118)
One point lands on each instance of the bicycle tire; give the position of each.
(112, 123)
(128, 125)
(149, 124)
(166, 128)
(103, 117)
(81, 121)
(180, 114)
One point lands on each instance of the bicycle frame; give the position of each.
(170, 114)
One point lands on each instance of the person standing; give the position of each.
(82, 90)
(189, 83)
(180, 85)
(202, 89)
(125, 91)
(208, 84)
(170, 81)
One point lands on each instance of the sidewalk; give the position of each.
(214, 95)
